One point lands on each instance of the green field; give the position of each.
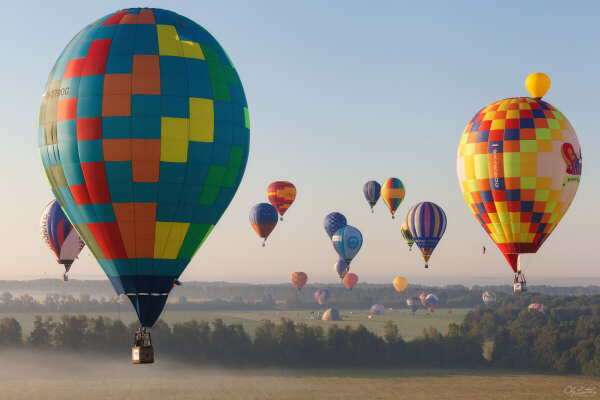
(409, 325)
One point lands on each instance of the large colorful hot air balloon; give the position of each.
(143, 135)
(263, 218)
(408, 238)
(412, 303)
(322, 296)
(350, 280)
(426, 222)
(347, 242)
(400, 283)
(281, 195)
(341, 267)
(392, 193)
(334, 222)
(299, 279)
(377, 309)
(331, 314)
(519, 167)
(488, 297)
(431, 302)
(59, 235)
(372, 191)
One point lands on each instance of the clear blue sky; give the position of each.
(339, 93)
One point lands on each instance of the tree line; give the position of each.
(284, 344)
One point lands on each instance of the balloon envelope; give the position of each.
(263, 218)
(372, 191)
(377, 309)
(347, 242)
(350, 280)
(408, 238)
(519, 167)
(331, 314)
(334, 222)
(299, 279)
(431, 301)
(341, 267)
(281, 195)
(392, 193)
(322, 296)
(58, 233)
(488, 297)
(143, 135)
(412, 303)
(400, 283)
(426, 222)
(537, 307)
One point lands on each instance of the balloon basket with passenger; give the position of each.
(142, 351)
(519, 283)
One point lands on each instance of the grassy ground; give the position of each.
(409, 325)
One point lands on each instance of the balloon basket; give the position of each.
(65, 278)
(142, 351)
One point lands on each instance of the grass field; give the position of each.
(26, 376)
(409, 325)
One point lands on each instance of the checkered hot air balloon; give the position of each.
(281, 195)
(426, 222)
(143, 135)
(519, 167)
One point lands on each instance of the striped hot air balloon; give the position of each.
(392, 193)
(281, 195)
(426, 222)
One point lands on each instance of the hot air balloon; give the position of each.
(263, 218)
(350, 280)
(377, 309)
(143, 135)
(59, 235)
(334, 222)
(331, 314)
(392, 193)
(400, 283)
(426, 222)
(488, 297)
(422, 299)
(347, 242)
(281, 195)
(322, 296)
(372, 191)
(519, 166)
(341, 267)
(299, 280)
(412, 303)
(407, 236)
(431, 302)
(539, 307)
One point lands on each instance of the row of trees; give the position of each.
(285, 343)
(565, 338)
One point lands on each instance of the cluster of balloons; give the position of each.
(392, 193)
(347, 242)
(429, 300)
(264, 216)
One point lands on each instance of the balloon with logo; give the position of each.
(431, 302)
(392, 193)
(408, 238)
(350, 280)
(347, 242)
(263, 218)
(413, 304)
(143, 135)
(299, 279)
(334, 222)
(341, 267)
(400, 283)
(426, 222)
(60, 236)
(519, 166)
(322, 296)
(488, 297)
(372, 191)
(281, 195)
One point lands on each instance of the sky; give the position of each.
(339, 93)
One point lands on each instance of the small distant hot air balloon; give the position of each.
(422, 299)
(347, 242)
(263, 218)
(377, 309)
(334, 222)
(392, 193)
(400, 283)
(322, 296)
(350, 280)
(407, 236)
(539, 307)
(331, 314)
(519, 166)
(341, 267)
(299, 279)
(281, 195)
(412, 303)
(431, 302)
(488, 297)
(426, 222)
(59, 235)
(372, 191)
